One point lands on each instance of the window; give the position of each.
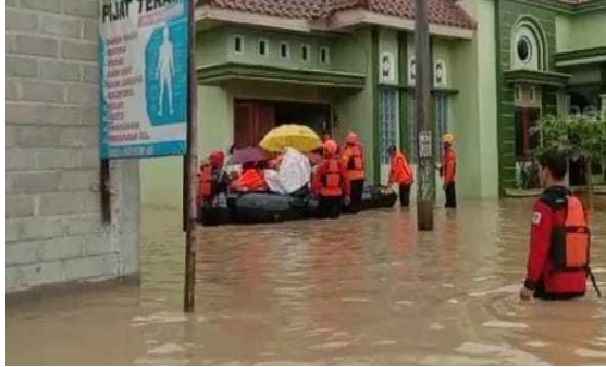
(262, 47)
(324, 55)
(389, 121)
(284, 50)
(305, 52)
(441, 124)
(238, 44)
(413, 128)
(524, 48)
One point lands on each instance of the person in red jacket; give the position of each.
(330, 182)
(558, 260)
(212, 180)
(448, 171)
(401, 174)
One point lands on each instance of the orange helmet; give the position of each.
(351, 138)
(448, 138)
(330, 146)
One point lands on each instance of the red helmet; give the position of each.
(330, 146)
(216, 158)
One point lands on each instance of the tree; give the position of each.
(579, 137)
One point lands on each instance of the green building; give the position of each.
(341, 65)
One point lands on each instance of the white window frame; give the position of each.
(287, 48)
(233, 44)
(266, 41)
(444, 82)
(326, 51)
(391, 77)
(412, 72)
(305, 45)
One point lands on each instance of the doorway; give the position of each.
(254, 118)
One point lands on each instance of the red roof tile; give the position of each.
(575, 2)
(441, 12)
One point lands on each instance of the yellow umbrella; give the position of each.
(298, 137)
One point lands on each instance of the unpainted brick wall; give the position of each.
(54, 231)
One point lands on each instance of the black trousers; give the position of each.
(451, 195)
(355, 196)
(404, 195)
(330, 206)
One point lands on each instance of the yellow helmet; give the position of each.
(447, 138)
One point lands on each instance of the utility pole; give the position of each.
(426, 172)
(190, 165)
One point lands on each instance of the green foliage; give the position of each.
(578, 136)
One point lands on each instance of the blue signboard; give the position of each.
(143, 86)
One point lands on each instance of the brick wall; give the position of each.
(54, 231)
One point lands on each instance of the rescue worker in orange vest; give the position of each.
(353, 159)
(401, 174)
(330, 182)
(448, 171)
(558, 259)
(212, 180)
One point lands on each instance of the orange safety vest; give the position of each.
(400, 171)
(332, 181)
(205, 181)
(571, 242)
(449, 166)
(354, 162)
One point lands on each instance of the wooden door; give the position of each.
(264, 119)
(252, 120)
(243, 125)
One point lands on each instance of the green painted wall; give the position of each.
(472, 73)
(507, 15)
(563, 31)
(315, 42)
(162, 182)
(355, 111)
(587, 30)
(388, 42)
(442, 50)
(211, 47)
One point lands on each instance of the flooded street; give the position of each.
(365, 289)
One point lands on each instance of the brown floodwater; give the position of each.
(363, 289)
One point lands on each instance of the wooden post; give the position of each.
(425, 153)
(191, 166)
(104, 188)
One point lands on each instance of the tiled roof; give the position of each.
(575, 2)
(441, 12)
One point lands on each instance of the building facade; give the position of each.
(497, 66)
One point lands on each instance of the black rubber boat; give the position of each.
(249, 208)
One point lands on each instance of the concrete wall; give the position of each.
(53, 222)
(475, 121)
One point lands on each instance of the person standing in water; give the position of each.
(448, 171)
(401, 174)
(165, 70)
(353, 158)
(330, 182)
(558, 259)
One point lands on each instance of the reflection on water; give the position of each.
(365, 289)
